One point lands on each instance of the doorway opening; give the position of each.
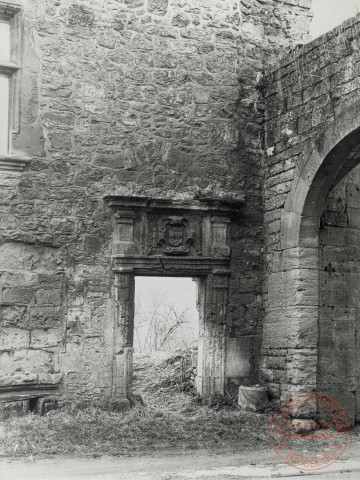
(338, 372)
(166, 339)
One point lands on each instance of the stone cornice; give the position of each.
(13, 163)
(215, 205)
(10, 8)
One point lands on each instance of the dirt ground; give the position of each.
(169, 437)
(203, 465)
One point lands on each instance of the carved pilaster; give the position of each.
(123, 335)
(124, 241)
(212, 337)
(220, 236)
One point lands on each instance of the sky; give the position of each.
(179, 292)
(330, 13)
(165, 292)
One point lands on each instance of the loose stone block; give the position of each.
(303, 326)
(29, 361)
(14, 316)
(45, 338)
(92, 243)
(252, 398)
(158, 7)
(46, 317)
(20, 295)
(19, 279)
(50, 380)
(48, 297)
(80, 15)
(17, 380)
(238, 357)
(180, 20)
(13, 338)
(51, 281)
(79, 321)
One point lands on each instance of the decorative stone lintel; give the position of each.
(13, 163)
(215, 205)
(197, 228)
(170, 266)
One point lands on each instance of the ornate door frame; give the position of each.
(161, 237)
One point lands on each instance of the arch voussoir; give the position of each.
(292, 303)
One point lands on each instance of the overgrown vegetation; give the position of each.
(170, 417)
(160, 323)
(161, 373)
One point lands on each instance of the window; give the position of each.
(9, 73)
(4, 85)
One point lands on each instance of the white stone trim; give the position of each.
(13, 163)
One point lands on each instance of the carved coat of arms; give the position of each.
(175, 236)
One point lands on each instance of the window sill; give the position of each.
(13, 163)
(7, 68)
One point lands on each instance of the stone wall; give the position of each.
(32, 319)
(311, 141)
(135, 97)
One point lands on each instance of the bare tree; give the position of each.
(160, 326)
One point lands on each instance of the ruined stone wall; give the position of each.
(132, 97)
(312, 100)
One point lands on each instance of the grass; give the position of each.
(170, 418)
(93, 431)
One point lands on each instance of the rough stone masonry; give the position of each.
(137, 147)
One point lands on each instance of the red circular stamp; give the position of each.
(309, 443)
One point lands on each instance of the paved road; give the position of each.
(179, 466)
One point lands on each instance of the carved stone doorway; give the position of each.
(205, 378)
(167, 238)
(166, 330)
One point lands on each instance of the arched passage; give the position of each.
(338, 372)
(296, 292)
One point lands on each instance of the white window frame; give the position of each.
(11, 69)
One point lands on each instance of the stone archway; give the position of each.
(293, 270)
(160, 237)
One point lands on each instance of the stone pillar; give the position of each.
(211, 361)
(290, 330)
(123, 336)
